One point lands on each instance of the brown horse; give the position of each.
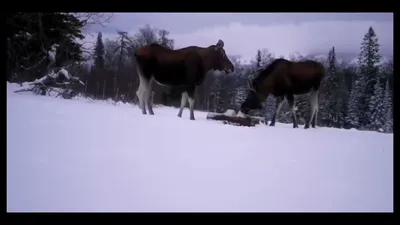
(285, 79)
(186, 67)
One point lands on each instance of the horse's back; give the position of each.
(170, 67)
(305, 75)
(308, 68)
(159, 52)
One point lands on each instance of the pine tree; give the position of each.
(352, 117)
(329, 111)
(341, 100)
(388, 126)
(99, 52)
(377, 108)
(368, 63)
(258, 60)
(216, 93)
(111, 51)
(30, 35)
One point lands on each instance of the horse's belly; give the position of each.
(170, 79)
(301, 91)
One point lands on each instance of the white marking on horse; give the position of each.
(184, 100)
(141, 93)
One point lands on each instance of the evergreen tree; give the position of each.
(99, 52)
(378, 108)
(111, 51)
(258, 60)
(30, 36)
(329, 111)
(216, 91)
(352, 117)
(341, 100)
(368, 73)
(388, 126)
(124, 42)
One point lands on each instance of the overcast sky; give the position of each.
(280, 33)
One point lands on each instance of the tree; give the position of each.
(164, 40)
(377, 108)
(258, 60)
(122, 49)
(124, 43)
(352, 117)
(31, 35)
(329, 110)
(368, 74)
(99, 52)
(93, 19)
(388, 125)
(342, 97)
(110, 56)
(146, 35)
(240, 96)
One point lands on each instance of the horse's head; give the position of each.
(252, 101)
(219, 59)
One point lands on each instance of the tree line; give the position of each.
(352, 95)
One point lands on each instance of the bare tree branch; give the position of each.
(89, 19)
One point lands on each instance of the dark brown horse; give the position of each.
(285, 79)
(186, 67)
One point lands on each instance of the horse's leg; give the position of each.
(142, 90)
(313, 107)
(149, 95)
(278, 105)
(191, 92)
(291, 102)
(314, 121)
(184, 101)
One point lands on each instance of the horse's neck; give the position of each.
(207, 58)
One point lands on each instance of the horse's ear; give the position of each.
(220, 43)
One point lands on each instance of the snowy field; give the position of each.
(77, 155)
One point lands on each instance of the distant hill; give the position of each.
(346, 57)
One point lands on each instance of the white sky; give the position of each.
(283, 34)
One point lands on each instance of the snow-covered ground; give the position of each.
(77, 155)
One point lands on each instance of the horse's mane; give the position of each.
(268, 70)
(160, 47)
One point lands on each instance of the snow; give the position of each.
(65, 73)
(240, 114)
(230, 112)
(80, 155)
(52, 52)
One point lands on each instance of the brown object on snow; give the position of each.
(234, 120)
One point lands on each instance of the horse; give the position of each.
(185, 68)
(285, 79)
